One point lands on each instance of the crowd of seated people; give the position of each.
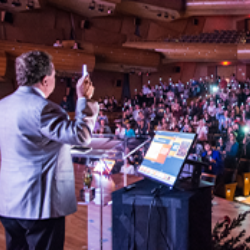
(160, 107)
(108, 104)
(220, 115)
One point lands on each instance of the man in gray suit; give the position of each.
(37, 187)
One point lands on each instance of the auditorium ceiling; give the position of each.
(135, 35)
(165, 11)
(20, 5)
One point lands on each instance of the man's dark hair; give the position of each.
(32, 67)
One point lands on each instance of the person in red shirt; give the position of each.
(223, 84)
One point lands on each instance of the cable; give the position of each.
(156, 193)
(132, 224)
(162, 234)
(148, 226)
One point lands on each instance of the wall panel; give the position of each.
(218, 23)
(226, 71)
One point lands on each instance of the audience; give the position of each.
(64, 104)
(58, 43)
(127, 168)
(218, 114)
(104, 128)
(231, 151)
(75, 46)
(119, 131)
(213, 158)
(129, 132)
(202, 131)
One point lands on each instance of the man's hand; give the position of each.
(84, 88)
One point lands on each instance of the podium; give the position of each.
(148, 217)
(101, 149)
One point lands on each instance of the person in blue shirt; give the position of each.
(231, 152)
(224, 121)
(213, 158)
(129, 132)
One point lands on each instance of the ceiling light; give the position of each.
(92, 5)
(159, 14)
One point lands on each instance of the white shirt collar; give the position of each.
(39, 91)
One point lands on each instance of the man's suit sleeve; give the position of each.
(54, 123)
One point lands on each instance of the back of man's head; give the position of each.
(32, 67)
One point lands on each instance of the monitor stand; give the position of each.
(193, 182)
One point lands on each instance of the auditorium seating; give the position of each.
(218, 36)
(64, 59)
(243, 177)
(68, 44)
(3, 63)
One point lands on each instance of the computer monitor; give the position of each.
(166, 156)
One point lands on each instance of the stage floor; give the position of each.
(243, 199)
(221, 208)
(76, 229)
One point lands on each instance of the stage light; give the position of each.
(172, 17)
(166, 15)
(101, 8)
(159, 14)
(225, 63)
(92, 5)
(215, 89)
(246, 129)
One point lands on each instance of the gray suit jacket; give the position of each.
(36, 174)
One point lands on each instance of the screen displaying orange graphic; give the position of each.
(158, 152)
